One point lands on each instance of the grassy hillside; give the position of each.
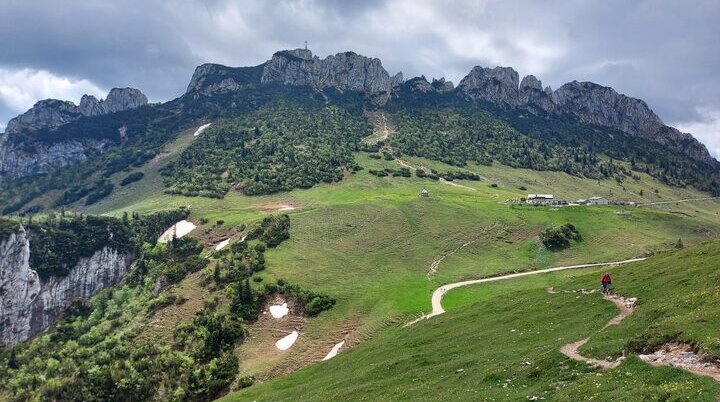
(370, 242)
(379, 249)
(500, 341)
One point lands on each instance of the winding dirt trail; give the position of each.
(673, 354)
(438, 294)
(626, 307)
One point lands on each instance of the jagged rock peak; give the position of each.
(531, 82)
(90, 106)
(52, 113)
(47, 113)
(442, 85)
(596, 104)
(496, 85)
(121, 99)
(419, 84)
(532, 95)
(342, 71)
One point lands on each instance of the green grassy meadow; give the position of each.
(501, 340)
(369, 241)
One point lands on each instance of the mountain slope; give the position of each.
(65, 146)
(368, 242)
(501, 341)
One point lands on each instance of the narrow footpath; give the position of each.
(438, 294)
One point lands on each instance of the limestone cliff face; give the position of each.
(17, 160)
(343, 71)
(28, 305)
(596, 104)
(421, 85)
(346, 71)
(585, 102)
(533, 96)
(495, 85)
(48, 113)
(52, 113)
(209, 79)
(118, 100)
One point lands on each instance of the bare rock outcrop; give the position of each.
(29, 305)
(18, 162)
(17, 159)
(533, 96)
(586, 102)
(53, 113)
(497, 85)
(596, 104)
(442, 86)
(48, 113)
(347, 71)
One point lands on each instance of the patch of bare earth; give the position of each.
(277, 207)
(683, 356)
(259, 356)
(161, 324)
(210, 238)
(381, 129)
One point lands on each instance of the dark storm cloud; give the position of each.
(665, 52)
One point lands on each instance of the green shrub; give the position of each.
(560, 238)
(131, 178)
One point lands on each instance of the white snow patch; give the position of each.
(179, 229)
(286, 342)
(222, 244)
(286, 208)
(334, 351)
(279, 310)
(201, 129)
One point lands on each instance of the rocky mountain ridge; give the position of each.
(52, 113)
(29, 305)
(584, 102)
(347, 71)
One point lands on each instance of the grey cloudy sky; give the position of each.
(666, 52)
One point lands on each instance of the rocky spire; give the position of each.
(532, 95)
(497, 85)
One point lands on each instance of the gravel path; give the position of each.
(438, 294)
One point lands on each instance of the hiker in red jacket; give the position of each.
(606, 281)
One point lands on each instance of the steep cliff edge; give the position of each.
(29, 305)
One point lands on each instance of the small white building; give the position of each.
(540, 199)
(598, 201)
